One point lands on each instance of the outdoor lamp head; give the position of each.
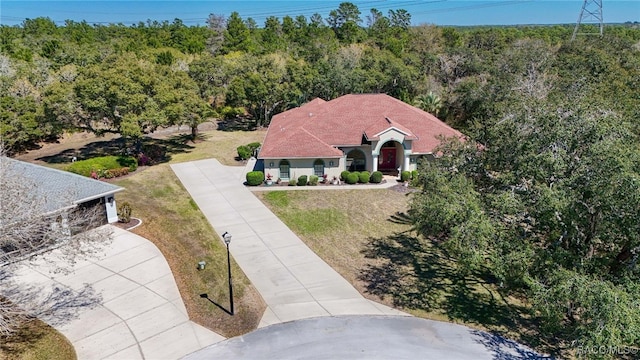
(227, 237)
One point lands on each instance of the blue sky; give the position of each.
(440, 12)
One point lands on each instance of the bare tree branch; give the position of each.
(28, 228)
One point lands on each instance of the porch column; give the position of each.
(405, 163)
(375, 163)
(112, 209)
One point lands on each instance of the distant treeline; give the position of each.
(135, 79)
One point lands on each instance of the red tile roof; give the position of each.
(316, 128)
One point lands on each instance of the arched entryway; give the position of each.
(390, 157)
(356, 160)
(284, 168)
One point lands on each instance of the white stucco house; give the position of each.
(373, 132)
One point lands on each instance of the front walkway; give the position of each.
(294, 282)
(121, 304)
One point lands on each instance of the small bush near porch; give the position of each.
(255, 178)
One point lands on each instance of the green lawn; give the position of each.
(36, 341)
(366, 236)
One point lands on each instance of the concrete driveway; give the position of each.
(309, 305)
(294, 282)
(121, 303)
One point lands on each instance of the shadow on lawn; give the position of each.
(162, 149)
(206, 296)
(237, 124)
(418, 274)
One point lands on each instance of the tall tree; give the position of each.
(345, 21)
(430, 103)
(217, 24)
(546, 208)
(237, 36)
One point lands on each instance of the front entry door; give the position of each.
(387, 160)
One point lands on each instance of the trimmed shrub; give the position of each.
(255, 178)
(124, 212)
(343, 175)
(302, 180)
(405, 176)
(143, 160)
(292, 182)
(363, 177)
(116, 172)
(352, 178)
(313, 180)
(253, 146)
(376, 177)
(129, 162)
(244, 152)
(99, 165)
(153, 153)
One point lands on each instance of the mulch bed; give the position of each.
(129, 225)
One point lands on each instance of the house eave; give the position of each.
(97, 196)
(300, 157)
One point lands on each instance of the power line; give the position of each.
(591, 13)
(414, 8)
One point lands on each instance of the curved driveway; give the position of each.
(297, 285)
(120, 303)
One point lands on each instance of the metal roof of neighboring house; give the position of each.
(58, 189)
(318, 127)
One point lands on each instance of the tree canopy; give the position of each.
(131, 80)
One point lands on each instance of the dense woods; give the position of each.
(543, 198)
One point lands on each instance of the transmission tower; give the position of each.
(591, 14)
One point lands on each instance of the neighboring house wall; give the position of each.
(105, 206)
(96, 205)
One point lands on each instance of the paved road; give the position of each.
(122, 303)
(294, 282)
(366, 338)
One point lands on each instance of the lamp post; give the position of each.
(227, 239)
